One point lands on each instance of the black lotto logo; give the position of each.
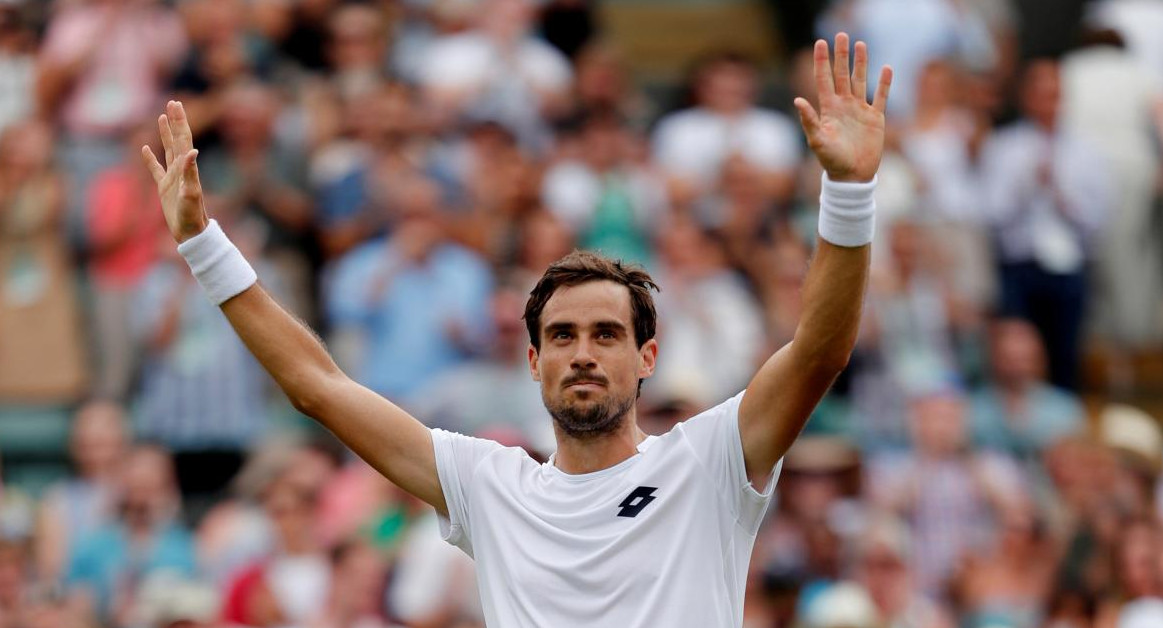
(636, 501)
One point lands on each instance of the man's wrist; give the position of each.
(847, 211)
(217, 264)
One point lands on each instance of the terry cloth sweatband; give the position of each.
(847, 212)
(217, 264)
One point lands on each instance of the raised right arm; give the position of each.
(389, 439)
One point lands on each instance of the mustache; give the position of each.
(584, 378)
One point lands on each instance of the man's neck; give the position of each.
(576, 456)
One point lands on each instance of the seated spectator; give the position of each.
(500, 71)
(884, 568)
(107, 567)
(1017, 412)
(693, 145)
(609, 202)
(356, 595)
(43, 358)
(289, 586)
(77, 507)
(433, 584)
(951, 494)
(418, 302)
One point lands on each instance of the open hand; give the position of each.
(177, 182)
(847, 134)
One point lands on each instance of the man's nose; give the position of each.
(583, 357)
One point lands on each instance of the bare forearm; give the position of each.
(833, 301)
(284, 346)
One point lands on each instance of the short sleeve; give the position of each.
(714, 437)
(457, 457)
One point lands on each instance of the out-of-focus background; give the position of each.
(401, 171)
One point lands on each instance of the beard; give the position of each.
(589, 419)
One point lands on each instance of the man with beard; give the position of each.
(618, 528)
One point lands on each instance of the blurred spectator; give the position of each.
(17, 64)
(254, 178)
(694, 145)
(1009, 584)
(498, 71)
(417, 303)
(908, 34)
(883, 568)
(610, 203)
(951, 494)
(496, 390)
(433, 583)
(353, 175)
(124, 218)
(1048, 197)
(907, 343)
(76, 508)
(107, 567)
(1140, 575)
(223, 50)
(1017, 412)
(43, 358)
(202, 394)
(357, 41)
(102, 69)
(355, 599)
(604, 84)
(290, 585)
(169, 601)
(711, 325)
(942, 142)
(1129, 257)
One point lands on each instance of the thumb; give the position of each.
(809, 119)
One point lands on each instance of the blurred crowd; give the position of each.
(401, 171)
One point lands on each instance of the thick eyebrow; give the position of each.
(607, 325)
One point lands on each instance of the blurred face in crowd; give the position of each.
(1017, 354)
(248, 116)
(936, 86)
(589, 362)
(1041, 91)
(938, 424)
(544, 239)
(601, 79)
(98, 438)
(1139, 560)
(506, 21)
(149, 492)
(603, 143)
(357, 38)
(727, 87)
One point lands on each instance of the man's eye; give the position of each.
(608, 335)
(561, 335)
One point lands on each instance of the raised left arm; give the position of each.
(847, 136)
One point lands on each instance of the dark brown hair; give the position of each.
(581, 267)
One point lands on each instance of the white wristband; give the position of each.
(847, 212)
(217, 264)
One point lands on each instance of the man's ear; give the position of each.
(534, 367)
(648, 356)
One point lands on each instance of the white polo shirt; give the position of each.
(660, 539)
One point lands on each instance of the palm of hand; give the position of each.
(847, 134)
(178, 184)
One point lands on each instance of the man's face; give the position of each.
(589, 363)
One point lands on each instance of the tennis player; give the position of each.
(618, 529)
